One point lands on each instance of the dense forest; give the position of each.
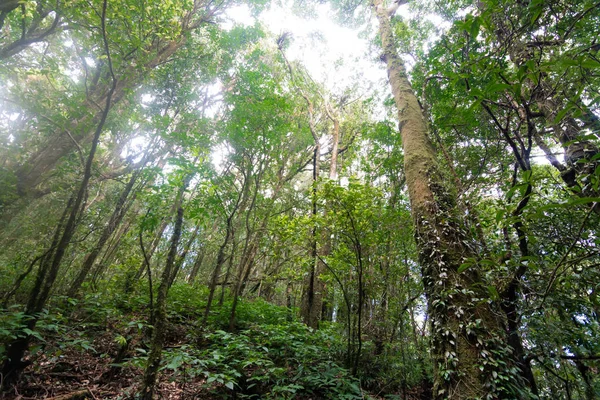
(189, 210)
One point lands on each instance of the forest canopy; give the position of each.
(299, 200)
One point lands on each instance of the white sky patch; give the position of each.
(218, 155)
(344, 182)
(146, 99)
(73, 74)
(135, 148)
(212, 91)
(538, 157)
(439, 22)
(238, 15)
(333, 54)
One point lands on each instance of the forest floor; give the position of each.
(91, 350)
(90, 373)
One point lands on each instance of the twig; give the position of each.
(91, 393)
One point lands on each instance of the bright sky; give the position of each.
(320, 44)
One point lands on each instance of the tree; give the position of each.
(465, 328)
(51, 261)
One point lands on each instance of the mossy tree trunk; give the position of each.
(469, 349)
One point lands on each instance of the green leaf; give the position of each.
(474, 31)
(35, 334)
(463, 267)
(493, 292)
(229, 385)
(500, 215)
(498, 87)
(574, 202)
(561, 114)
(589, 63)
(536, 7)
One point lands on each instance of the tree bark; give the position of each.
(160, 313)
(312, 298)
(466, 332)
(183, 254)
(113, 223)
(196, 268)
(221, 255)
(49, 268)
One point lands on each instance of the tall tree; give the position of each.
(465, 327)
(51, 262)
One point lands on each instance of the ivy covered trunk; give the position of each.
(470, 350)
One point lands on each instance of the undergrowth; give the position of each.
(269, 355)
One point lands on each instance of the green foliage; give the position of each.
(268, 357)
(281, 361)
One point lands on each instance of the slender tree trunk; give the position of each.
(465, 331)
(239, 205)
(196, 268)
(218, 266)
(312, 294)
(252, 245)
(326, 304)
(153, 246)
(200, 258)
(245, 265)
(48, 271)
(230, 262)
(183, 254)
(312, 299)
(247, 254)
(160, 313)
(288, 300)
(360, 305)
(113, 224)
(110, 253)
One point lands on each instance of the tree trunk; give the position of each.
(153, 246)
(200, 258)
(239, 205)
(312, 298)
(110, 253)
(312, 294)
(183, 254)
(113, 223)
(160, 313)
(49, 268)
(196, 268)
(326, 303)
(218, 266)
(243, 273)
(469, 350)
